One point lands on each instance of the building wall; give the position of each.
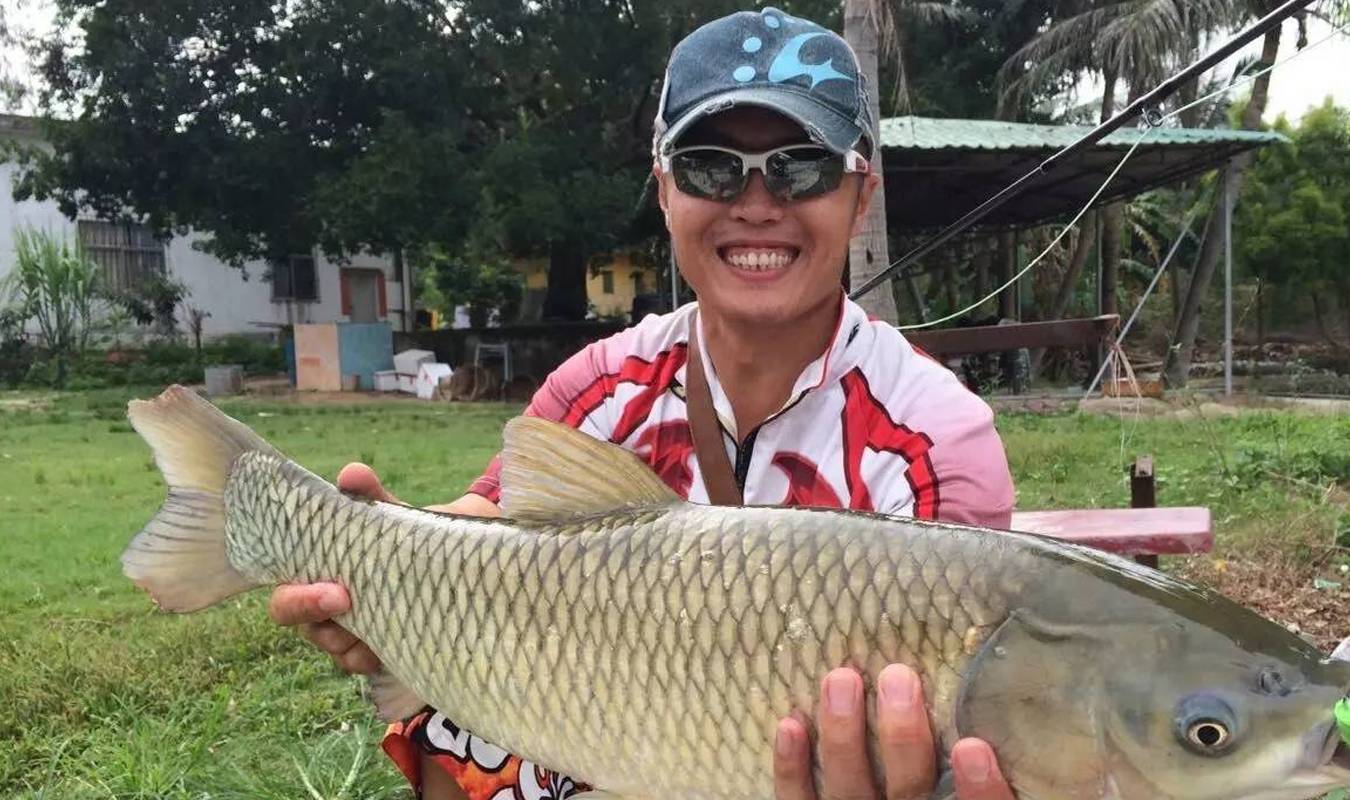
(239, 301)
(621, 267)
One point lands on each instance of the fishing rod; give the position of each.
(1145, 105)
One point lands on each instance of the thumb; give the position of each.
(359, 480)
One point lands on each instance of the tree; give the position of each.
(1137, 42)
(868, 253)
(1294, 223)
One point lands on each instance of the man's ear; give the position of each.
(865, 194)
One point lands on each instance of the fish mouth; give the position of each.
(1335, 753)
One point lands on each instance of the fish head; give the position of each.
(1210, 702)
(1209, 715)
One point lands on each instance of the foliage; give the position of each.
(56, 284)
(1293, 216)
(16, 355)
(153, 302)
(157, 363)
(485, 283)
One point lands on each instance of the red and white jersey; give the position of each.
(873, 424)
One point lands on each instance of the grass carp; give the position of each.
(608, 630)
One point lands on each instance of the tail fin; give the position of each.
(180, 555)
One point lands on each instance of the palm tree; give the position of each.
(873, 28)
(1177, 363)
(1138, 42)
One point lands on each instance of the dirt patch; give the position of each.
(1311, 601)
(24, 404)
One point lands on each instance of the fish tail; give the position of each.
(180, 556)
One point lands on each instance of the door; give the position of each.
(362, 290)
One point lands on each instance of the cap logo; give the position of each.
(788, 63)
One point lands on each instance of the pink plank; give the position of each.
(1128, 531)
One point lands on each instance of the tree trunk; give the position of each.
(1007, 268)
(1087, 235)
(1113, 224)
(566, 294)
(950, 284)
(868, 252)
(983, 253)
(1177, 366)
(912, 286)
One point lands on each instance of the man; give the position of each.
(761, 154)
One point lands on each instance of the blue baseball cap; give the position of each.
(771, 60)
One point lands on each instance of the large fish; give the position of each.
(648, 646)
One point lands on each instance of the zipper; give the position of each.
(744, 451)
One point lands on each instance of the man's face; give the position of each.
(758, 259)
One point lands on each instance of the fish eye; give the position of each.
(1208, 735)
(1206, 725)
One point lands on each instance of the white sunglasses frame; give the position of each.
(853, 160)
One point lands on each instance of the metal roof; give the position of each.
(939, 169)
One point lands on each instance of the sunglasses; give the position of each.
(794, 172)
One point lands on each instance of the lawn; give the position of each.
(105, 698)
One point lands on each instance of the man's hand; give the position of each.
(905, 747)
(311, 606)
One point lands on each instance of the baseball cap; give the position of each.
(771, 60)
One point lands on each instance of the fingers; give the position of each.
(792, 779)
(359, 480)
(348, 653)
(845, 769)
(904, 738)
(297, 604)
(977, 773)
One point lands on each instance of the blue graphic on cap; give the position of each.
(788, 64)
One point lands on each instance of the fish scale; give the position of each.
(650, 647)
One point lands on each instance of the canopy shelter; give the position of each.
(938, 169)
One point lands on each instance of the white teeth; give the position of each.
(759, 260)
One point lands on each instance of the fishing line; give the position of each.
(1046, 251)
(1255, 75)
(1147, 131)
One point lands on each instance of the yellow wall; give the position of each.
(619, 265)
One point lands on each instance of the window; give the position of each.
(607, 281)
(294, 279)
(127, 254)
(639, 285)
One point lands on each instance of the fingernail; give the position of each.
(897, 688)
(976, 764)
(330, 603)
(839, 696)
(782, 743)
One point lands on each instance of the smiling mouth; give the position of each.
(758, 259)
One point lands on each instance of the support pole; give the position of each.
(1228, 286)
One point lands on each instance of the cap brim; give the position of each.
(823, 124)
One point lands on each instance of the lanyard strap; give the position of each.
(709, 448)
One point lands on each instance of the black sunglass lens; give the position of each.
(710, 174)
(804, 172)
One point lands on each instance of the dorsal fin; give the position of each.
(551, 471)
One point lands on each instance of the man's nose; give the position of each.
(756, 205)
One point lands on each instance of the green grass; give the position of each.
(104, 698)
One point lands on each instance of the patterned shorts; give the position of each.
(484, 771)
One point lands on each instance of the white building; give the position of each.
(311, 288)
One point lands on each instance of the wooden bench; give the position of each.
(1143, 531)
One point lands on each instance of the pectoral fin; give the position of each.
(393, 699)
